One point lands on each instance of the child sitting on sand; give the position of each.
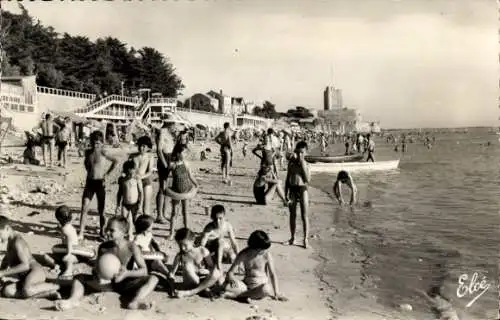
(69, 240)
(297, 180)
(129, 198)
(144, 163)
(199, 273)
(266, 185)
(343, 177)
(19, 263)
(145, 241)
(214, 235)
(132, 283)
(183, 181)
(260, 279)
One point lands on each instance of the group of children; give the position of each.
(140, 266)
(135, 276)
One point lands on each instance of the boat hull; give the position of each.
(355, 166)
(334, 159)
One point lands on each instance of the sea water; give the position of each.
(434, 220)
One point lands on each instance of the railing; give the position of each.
(203, 112)
(67, 93)
(142, 109)
(163, 101)
(113, 97)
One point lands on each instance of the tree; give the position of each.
(76, 63)
(268, 110)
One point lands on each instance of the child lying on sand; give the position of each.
(260, 279)
(199, 273)
(20, 263)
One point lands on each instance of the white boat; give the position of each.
(355, 166)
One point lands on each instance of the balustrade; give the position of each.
(67, 93)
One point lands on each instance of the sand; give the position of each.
(315, 289)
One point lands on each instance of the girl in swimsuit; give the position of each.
(260, 279)
(182, 181)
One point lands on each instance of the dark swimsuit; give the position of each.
(94, 186)
(47, 139)
(181, 182)
(260, 194)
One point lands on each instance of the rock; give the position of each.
(405, 307)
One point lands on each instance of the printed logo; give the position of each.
(474, 286)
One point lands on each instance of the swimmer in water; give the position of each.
(343, 177)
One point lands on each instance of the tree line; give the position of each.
(76, 63)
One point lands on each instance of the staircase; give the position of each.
(103, 103)
(143, 110)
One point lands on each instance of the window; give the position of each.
(13, 107)
(31, 109)
(21, 108)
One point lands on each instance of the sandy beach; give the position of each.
(315, 289)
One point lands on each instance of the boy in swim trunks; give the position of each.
(63, 139)
(199, 273)
(343, 177)
(144, 163)
(260, 279)
(95, 160)
(69, 239)
(132, 283)
(19, 263)
(224, 139)
(130, 197)
(164, 147)
(214, 235)
(297, 180)
(48, 139)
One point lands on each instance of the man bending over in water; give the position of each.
(96, 174)
(343, 177)
(164, 145)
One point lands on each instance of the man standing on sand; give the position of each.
(164, 146)
(370, 148)
(48, 138)
(96, 174)
(224, 139)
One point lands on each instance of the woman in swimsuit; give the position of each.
(266, 185)
(182, 181)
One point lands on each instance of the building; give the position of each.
(249, 107)
(224, 101)
(237, 105)
(203, 102)
(332, 98)
(342, 120)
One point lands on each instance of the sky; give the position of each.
(405, 63)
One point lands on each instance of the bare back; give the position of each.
(255, 263)
(47, 127)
